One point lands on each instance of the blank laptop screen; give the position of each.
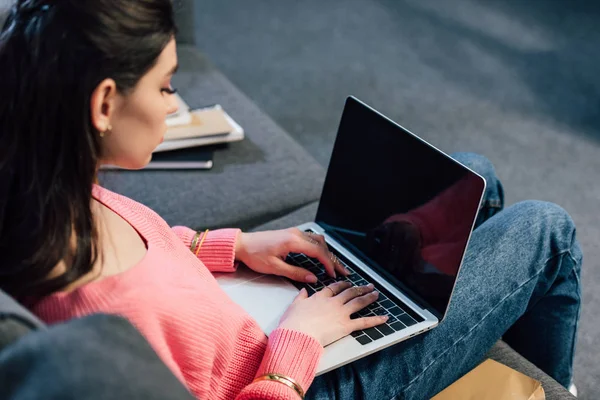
(399, 204)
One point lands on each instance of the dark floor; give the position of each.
(514, 80)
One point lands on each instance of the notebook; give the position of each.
(188, 158)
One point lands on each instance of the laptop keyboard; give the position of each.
(398, 317)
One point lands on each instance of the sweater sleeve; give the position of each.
(288, 353)
(218, 249)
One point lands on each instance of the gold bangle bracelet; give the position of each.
(201, 241)
(287, 381)
(194, 241)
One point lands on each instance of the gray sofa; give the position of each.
(268, 181)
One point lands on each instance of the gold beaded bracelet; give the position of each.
(201, 241)
(194, 241)
(287, 381)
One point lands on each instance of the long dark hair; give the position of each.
(53, 54)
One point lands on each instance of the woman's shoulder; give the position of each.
(115, 201)
(127, 208)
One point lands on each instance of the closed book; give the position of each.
(204, 122)
(236, 134)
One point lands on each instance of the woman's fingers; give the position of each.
(339, 266)
(334, 289)
(314, 246)
(298, 274)
(352, 292)
(367, 322)
(301, 296)
(317, 237)
(360, 302)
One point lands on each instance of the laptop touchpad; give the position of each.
(264, 297)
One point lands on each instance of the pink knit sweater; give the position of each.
(210, 343)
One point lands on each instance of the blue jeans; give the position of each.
(520, 280)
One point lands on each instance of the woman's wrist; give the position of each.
(239, 245)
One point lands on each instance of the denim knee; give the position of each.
(553, 224)
(493, 201)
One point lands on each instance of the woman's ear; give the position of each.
(102, 104)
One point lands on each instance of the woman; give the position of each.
(87, 82)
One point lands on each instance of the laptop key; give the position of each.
(386, 330)
(397, 326)
(364, 339)
(386, 303)
(373, 333)
(363, 312)
(298, 285)
(361, 282)
(396, 311)
(356, 333)
(383, 312)
(407, 320)
(379, 311)
(371, 307)
(321, 276)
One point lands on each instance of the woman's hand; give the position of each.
(326, 314)
(265, 252)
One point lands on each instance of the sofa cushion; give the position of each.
(94, 357)
(184, 18)
(261, 178)
(303, 214)
(15, 320)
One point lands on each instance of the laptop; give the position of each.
(398, 213)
